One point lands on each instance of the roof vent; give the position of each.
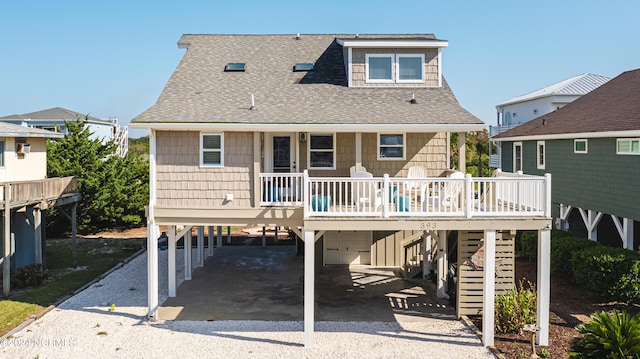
(235, 67)
(302, 66)
(253, 104)
(298, 36)
(413, 100)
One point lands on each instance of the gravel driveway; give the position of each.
(84, 327)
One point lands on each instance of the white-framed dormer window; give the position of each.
(517, 156)
(379, 68)
(580, 146)
(628, 146)
(321, 151)
(2, 147)
(540, 157)
(410, 68)
(211, 150)
(391, 146)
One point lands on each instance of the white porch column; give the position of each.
(171, 262)
(462, 152)
(591, 219)
(6, 255)
(489, 288)
(544, 286)
(210, 240)
(443, 264)
(37, 230)
(200, 246)
(187, 255)
(219, 236)
(309, 284)
(426, 255)
(625, 230)
(358, 149)
(153, 232)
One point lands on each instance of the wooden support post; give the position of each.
(625, 230)
(309, 284)
(219, 236)
(187, 255)
(228, 235)
(358, 150)
(6, 253)
(275, 234)
(426, 255)
(171, 263)
(200, 246)
(37, 231)
(544, 286)
(152, 268)
(210, 241)
(443, 265)
(489, 288)
(264, 236)
(462, 152)
(591, 220)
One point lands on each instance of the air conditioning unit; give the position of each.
(23, 148)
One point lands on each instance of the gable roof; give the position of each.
(54, 114)
(612, 107)
(11, 130)
(200, 93)
(577, 86)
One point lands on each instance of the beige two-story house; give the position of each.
(344, 139)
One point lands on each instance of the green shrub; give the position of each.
(608, 337)
(527, 244)
(515, 309)
(562, 249)
(609, 273)
(32, 275)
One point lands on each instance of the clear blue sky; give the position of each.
(112, 58)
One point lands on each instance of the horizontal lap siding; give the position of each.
(181, 182)
(470, 291)
(358, 61)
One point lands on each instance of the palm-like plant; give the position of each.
(611, 337)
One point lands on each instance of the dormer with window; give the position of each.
(394, 62)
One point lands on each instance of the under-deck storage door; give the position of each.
(348, 247)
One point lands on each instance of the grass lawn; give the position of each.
(95, 256)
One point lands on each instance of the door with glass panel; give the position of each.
(281, 152)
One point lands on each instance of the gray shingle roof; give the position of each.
(199, 91)
(55, 113)
(611, 107)
(11, 130)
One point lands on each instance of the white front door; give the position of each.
(347, 247)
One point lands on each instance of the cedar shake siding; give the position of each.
(359, 76)
(183, 183)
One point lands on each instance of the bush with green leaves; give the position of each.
(516, 308)
(527, 244)
(611, 337)
(563, 246)
(32, 275)
(609, 273)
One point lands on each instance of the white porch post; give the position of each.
(442, 265)
(6, 255)
(210, 240)
(219, 236)
(37, 228)
(625, 230)
(358, 150)
(200, 246)
(309, 284)
(591, 219)
(187, 255)
(426, 255)
(544, 290)
(462, 152)
(489, 284)
(171, 262)
(153, 233)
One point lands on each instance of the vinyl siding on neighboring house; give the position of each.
(358, 69)
(599, 180)
(183, 183)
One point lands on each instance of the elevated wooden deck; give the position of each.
(46, 193)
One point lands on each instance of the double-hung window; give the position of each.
(391, 146)
(628, 146)
(379, 67)
(322, 154)
(517, 156)
(540, 155)
(211, 150)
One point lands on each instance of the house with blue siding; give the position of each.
(592, 149)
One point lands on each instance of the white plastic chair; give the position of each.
(416, 187)
(448, 198)
(354, 169)
(365, 194)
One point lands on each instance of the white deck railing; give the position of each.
(506, 195)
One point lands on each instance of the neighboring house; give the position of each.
(525, 108)
(592, 148)
(53, 120)
(266, 129)
(25, 191)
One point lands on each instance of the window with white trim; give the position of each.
(580, 146)
(628, 146)
(410, 67)
(517, 156)
(322, 154)
(212, 150)
(379, 67)
(2, 153)
(540, 158)
(391, 146)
